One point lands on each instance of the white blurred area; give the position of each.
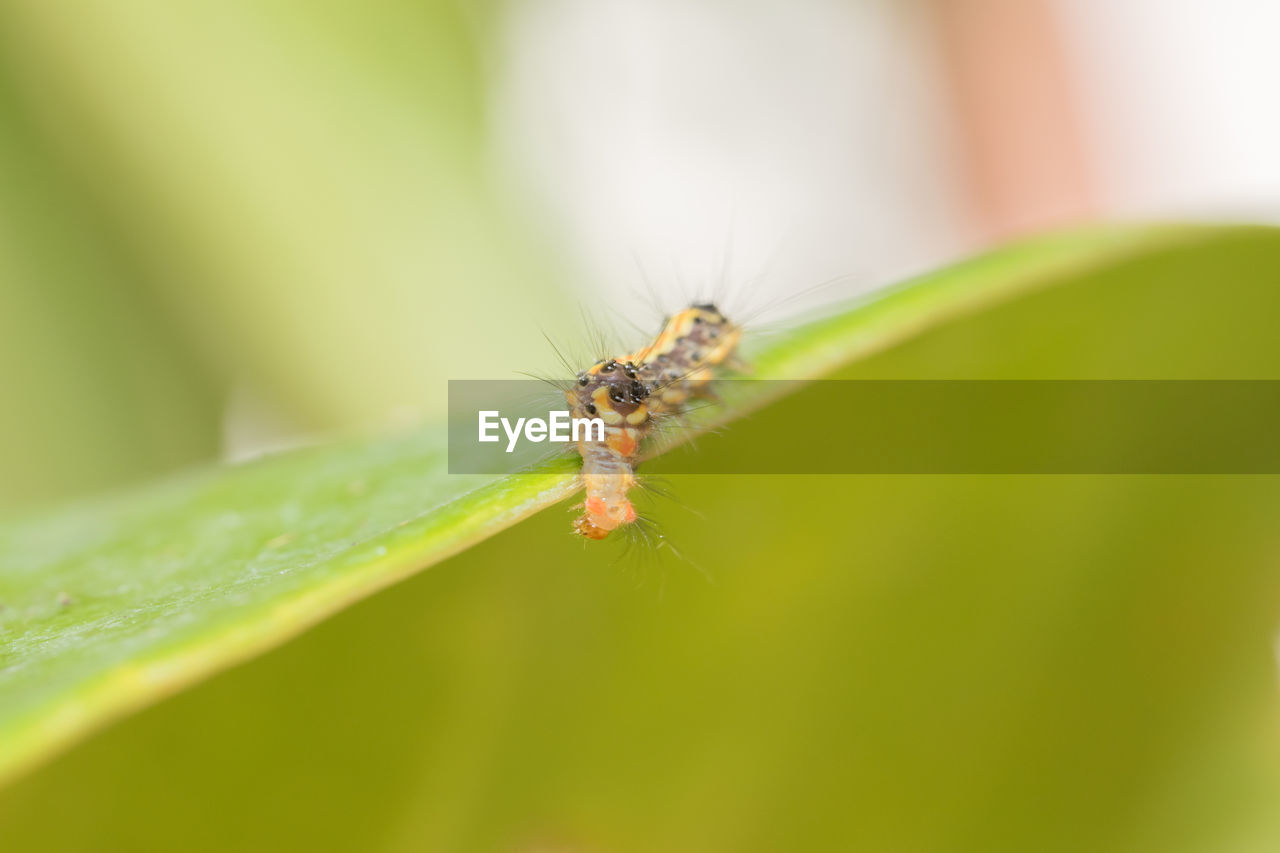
(798, 141)
(1182, 102)
(805, 139)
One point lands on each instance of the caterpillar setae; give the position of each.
(628, 392)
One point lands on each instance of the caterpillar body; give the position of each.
(628, 393)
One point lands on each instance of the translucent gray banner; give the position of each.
(908, 427)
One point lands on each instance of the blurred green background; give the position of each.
(243, 220)
(229, 224)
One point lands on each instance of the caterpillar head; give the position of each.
(612, 391)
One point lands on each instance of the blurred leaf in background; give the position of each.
(97, 383)
(283, 203)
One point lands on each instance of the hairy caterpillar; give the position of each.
(628, 392)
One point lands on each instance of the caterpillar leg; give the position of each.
(607, 506)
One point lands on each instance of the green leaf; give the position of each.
(111, 605)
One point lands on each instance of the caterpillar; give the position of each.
(628, 393)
